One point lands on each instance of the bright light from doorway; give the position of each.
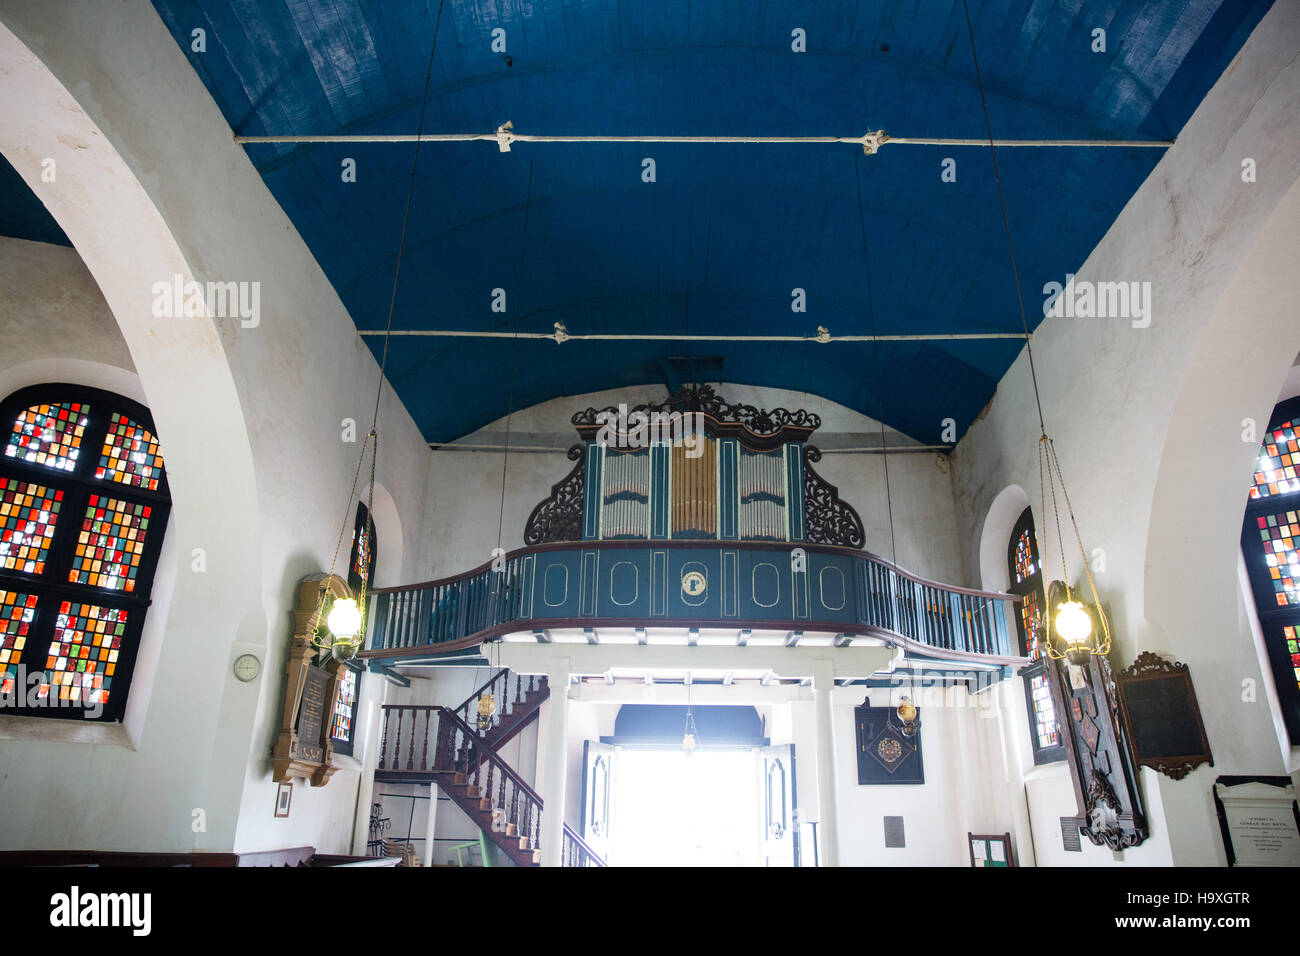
(670, 809)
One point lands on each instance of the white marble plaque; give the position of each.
(1261, 823)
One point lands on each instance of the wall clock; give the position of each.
(247, 667)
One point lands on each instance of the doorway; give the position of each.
(670, 808)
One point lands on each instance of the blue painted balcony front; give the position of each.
(809, 589)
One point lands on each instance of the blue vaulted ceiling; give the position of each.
(716, 244)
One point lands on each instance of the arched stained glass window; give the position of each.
(361, 562)
(361, 573)
(1025, 569)
(83, 507)
(1270, 543)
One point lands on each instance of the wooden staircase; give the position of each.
(468, 767)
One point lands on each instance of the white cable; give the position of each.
(562, 334)
(870, 142)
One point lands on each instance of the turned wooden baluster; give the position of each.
(424, 751)
(410, 747)
(383, 746)
(397, 741)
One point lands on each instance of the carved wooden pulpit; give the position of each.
(303, 747)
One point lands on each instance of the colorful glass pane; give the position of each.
(1026, 560)
(16, 613)
(49, 435)
(345, 707)
(110, 544)
(130, 455)
(1029, 622)
(1279, 457)
(1046, 731)
(1293, 648)
(84, 652)
(28, 513)
(1278, 533)
(361, 553)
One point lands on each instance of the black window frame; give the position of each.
(51, 586)
(1271, 616)
(365, 520)
(1033, 584)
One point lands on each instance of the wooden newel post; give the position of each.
(302, 747)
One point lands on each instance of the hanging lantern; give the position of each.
(689, 735)
(907, 715)
(1067, 624)
(487, 706)
(906, 712)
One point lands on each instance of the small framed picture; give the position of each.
(282, 798)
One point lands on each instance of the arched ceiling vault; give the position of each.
(719, 241)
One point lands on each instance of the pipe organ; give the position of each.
(694, 467)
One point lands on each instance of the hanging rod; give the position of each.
(870, 142)
(562, 334)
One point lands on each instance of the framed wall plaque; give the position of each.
(1158, 706)
(283, 797)
(885, 754)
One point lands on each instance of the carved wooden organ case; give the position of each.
(694, 467)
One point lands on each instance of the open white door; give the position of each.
(780, 836)
(597, 795)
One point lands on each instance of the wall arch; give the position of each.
(176, 758)
(1006, 508)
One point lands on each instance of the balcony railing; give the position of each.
(711, 584)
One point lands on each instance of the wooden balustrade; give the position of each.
(879, 597)
(470, 770)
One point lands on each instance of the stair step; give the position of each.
(485, 803)
(511, 830)
(523, 843)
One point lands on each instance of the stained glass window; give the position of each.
(49, 435)
(83, 509)
(28, 515)
(1045, 728)
(16, 613)
(361, 563)
(130, 455)
(1025, 571)
(110, 544)
(1270, 544)
(345, 706)
(1029, 614)
(1025, 560)
(84, 653)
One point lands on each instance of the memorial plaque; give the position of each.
(1259, 820)
(1071, 841)
(894, 833)
(1159, 709)
(311, 717)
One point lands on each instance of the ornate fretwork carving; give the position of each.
(827, 519)
(559, 517)
(760, 428)
(1148, 663)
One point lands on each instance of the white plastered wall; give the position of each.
(149, 185)
(1148, 425)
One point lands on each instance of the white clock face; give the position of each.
(247, 667)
